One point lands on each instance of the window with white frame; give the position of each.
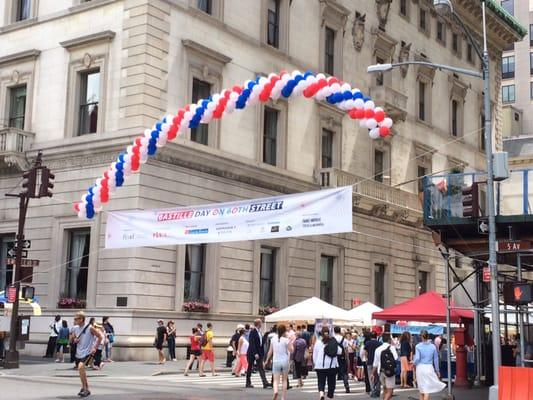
(267, 273)
(379, 164)
(380, 271)
(441, 32)
(273, 18)
(423, 282)
(329, 50)
(22, 10)
(508, 93)
(404, 8)
(327, 264)
(273, 128)
(423, 93)
(333, 22)
(270, 135)
(424, 21)
(17, 106)
(77, 270)
(200, 90)
(89, 100)
(422, 100)
(205, 6)
(194, 279)
(327, 148)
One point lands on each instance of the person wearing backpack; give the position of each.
(87, 339)
(342, 358)
(52, 339)
(385, 365)
(206, 341)
(325, 352)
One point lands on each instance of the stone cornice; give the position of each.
(205, 51)
(25, 55)
(88, 39)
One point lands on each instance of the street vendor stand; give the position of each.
(364, 313)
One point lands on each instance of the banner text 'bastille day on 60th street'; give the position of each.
(311, 213)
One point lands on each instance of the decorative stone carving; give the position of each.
(400, 215)
(87, 60)
(404, 56)
(15, 76)
(356, 201)
(358, 32)
(383, 8)
(380, 210)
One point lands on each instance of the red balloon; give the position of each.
(172, 132)
(359, 113)
(369, 113)
(104, 195)
(135, 162)
(138, 141)
(105, 183)
(352, 112)
(237, 89)
(384, 131)
(379, 115)
(106, 175)
(136, 149)
(77, 207)
(311, 90)
(322, 83)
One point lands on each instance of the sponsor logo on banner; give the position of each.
(321, 212)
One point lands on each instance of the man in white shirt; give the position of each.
(342, 358)
(52, 340)
(386, 381)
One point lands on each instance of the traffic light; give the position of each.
(470, 201)
(47, 183)
(28, 292)
(29, 179)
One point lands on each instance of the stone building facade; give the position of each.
(78, 79)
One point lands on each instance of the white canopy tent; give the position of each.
(311, 309)
(363, 313)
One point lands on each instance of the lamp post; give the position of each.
(446, 7)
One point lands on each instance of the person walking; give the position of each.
(87, 339)
(351, 348)
(281, 346)
(97, 364)
(256, 354)
(207, 350)
(110, 338)
(405, 358)
(160, 337)
(370, 350)
(384, 366)
(62, 342)
(426, 362)
(52, 339)
(298, 356)
(342, 358)
(242, 351)
(325, 353)
(195, 352)
(171, 340)
(234, 344)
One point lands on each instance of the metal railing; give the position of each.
(13, 140)
(333, 177)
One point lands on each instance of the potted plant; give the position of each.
(196, 305)
(267, 309)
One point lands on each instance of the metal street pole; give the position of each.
(520, 315)
(446, 255)
(496, 352)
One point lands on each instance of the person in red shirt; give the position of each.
(196, 350)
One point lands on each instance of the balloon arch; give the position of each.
(261, 89)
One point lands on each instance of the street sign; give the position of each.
(486, 274)
(24, 262)
(512, 246)
(26, 244)
(483, 226)
(13, 253)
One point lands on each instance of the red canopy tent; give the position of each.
(428, 307)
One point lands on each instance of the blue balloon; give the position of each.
(89, 210)
(205, 103)
(158, 126)
(119, 166)
(251, 85)
(154, 134)
(308, 73)
(357, 95)
(347, 95)
(152, 149)
(366, 99)
(89, 198)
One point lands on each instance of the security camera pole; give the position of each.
(29, 190)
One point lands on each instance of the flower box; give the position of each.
(196, 306)
(267, 310)
(68, 302)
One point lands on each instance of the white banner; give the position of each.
(311, 213)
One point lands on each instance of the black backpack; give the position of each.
(341, 356)
(388, 364)
(330, 349)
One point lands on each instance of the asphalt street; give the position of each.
(41, 379)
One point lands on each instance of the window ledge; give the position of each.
(84, 40)
(425, 123)
(17, 57)
(206, 51)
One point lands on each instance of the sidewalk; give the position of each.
(37, 366)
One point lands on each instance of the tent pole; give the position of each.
(446, 256)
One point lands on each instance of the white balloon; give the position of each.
(320, 76)
(285, 78)
(96, 202)
(369, 105)
(387, 122)
(84, 198)
(374, 133)
(295, 73)
(378, 109)
(371, 123)
(211, 106)
(114, 167)
(320, 96)
(148, 133)
(262, 82)
(350, 104)
(359, 103)
(82, 214)
(98, 182)
(346, 87)
(327, 91)
(165, 128)
(161, 143)
(335, 88)
(144, 142)
(234, 96)
(143, 158)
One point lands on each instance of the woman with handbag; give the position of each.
(300, 361)
(110, 335)
(171, 340)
